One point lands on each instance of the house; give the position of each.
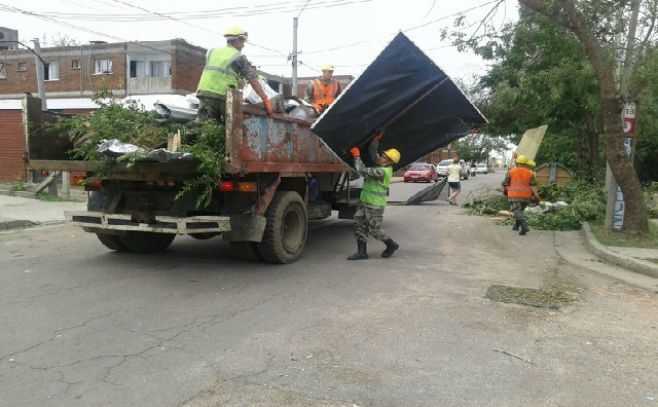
(127, 68)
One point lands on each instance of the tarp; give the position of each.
(403, 91)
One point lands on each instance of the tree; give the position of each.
(566, 13)
(478, 147)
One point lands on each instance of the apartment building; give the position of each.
(128, 68)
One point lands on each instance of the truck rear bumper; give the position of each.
(95, 221)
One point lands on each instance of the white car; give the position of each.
(481, 168)
(442, 168)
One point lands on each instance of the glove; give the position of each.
(378, 136)
(268, 106)
(505, 191)
(355, 152)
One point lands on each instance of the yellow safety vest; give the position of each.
(218, 75)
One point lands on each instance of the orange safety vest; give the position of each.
(324, 95)
(519, 186)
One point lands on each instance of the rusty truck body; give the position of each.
(278, 175)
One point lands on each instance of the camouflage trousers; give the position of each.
(368, 220)
(517, 208)
(211, 108)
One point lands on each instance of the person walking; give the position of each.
(454, 175)
(369, 215)
(321, 92)
(521, 187)
(223, 70)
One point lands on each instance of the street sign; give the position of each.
(628, 115)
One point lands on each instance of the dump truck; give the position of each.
(279, 172)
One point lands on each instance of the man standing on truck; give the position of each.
(321, 92)
(521, 186)
(223, 70)
(370, 213)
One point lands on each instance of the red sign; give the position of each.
(628, 116)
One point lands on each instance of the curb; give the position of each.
(16, 224)
(627, 262)
(22, 194)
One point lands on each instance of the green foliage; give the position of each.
(17, 186)
(614, 238)
(586, 203)
(478, 147)
(129, 124)
(209, 150)
(486, 205)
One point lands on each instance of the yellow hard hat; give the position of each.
(235, 32)
(532, 163)
(521, 159)
(327, 67)
(393, 155)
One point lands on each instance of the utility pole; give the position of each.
(614, 214)
(41, 86)
(294, 56)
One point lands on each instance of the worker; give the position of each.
(223, 70)
(521, 186)
(321, 92)
(531, 165)
(372, 201)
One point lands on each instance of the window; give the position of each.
(51, 71)
(21, 67)
(137, 69)
(161, 69)
(3, 71)
(75, 64)
(102, 66)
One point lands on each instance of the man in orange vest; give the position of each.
(322, 92)
(521, 186)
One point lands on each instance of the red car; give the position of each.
(421, 172)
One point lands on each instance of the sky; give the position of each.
(346, 33)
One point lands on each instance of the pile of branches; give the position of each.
(132, 124)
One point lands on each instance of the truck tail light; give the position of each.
(247, 187)
(226, 186)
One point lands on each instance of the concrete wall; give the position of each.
(149, 85)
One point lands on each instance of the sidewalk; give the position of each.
(18, 212)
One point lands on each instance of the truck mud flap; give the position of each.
(99, 221)
(246, 228)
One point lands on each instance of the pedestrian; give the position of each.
(454, 175)
(224, 69)
(321, 92)
(372, 201)
(521, 187)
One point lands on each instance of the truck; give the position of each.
(278, 176)
(279, 172)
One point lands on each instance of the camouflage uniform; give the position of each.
(368, 218)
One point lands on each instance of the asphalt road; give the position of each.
(82, 326)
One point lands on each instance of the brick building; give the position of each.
(128, 68)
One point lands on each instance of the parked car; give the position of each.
(482, 168)
(421, 172)
(442, 168)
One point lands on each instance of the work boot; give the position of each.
(362, 253)
(517, 223)
(524, 229)
(391, 247)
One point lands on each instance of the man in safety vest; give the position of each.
(521, 186)
(372, 202)
(223, 70)
(321, 92)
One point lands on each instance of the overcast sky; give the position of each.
(347, 33)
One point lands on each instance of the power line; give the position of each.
(303, 7)
(64, 23)
(404, 30)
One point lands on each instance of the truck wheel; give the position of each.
(286, 230)
(146, 242)
(112, 242)
(247, 251)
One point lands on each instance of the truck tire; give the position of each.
(286, 230)
(146, 242)
(247, 251)
(112, 242)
